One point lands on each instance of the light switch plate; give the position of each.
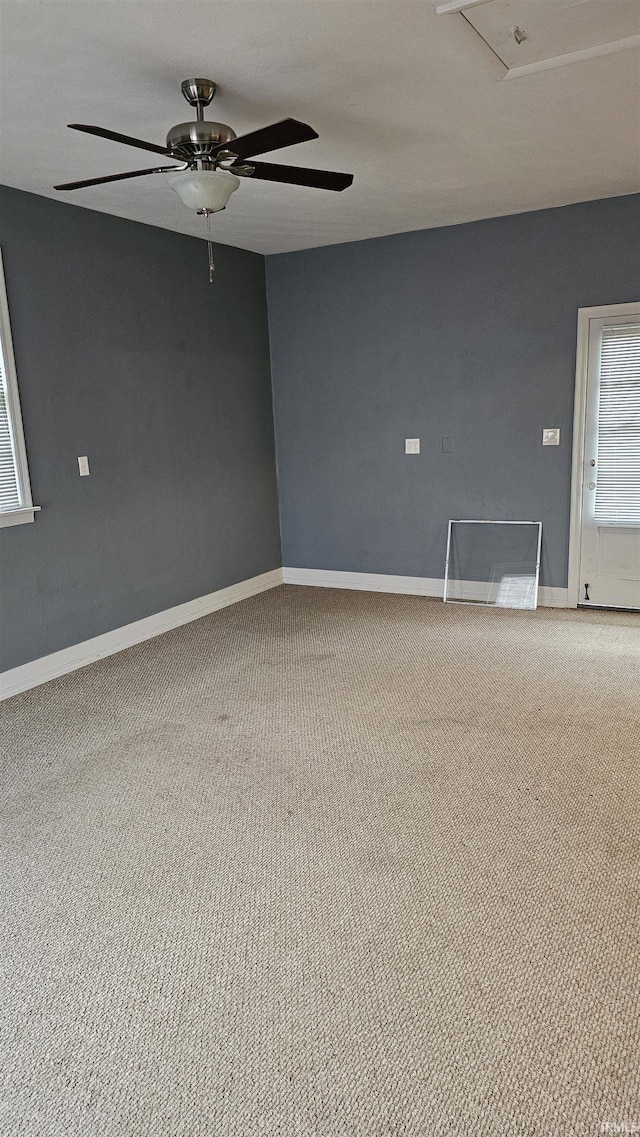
(551, 436)
(412, 445)
(83, 466)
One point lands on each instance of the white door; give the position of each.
(610, 536)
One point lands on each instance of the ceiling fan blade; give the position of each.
(125, 138)
(285, 133)
(295, 176)
(116, 177)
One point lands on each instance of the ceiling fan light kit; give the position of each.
(214, 158)
(204, 189)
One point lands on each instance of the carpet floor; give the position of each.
(328, 864)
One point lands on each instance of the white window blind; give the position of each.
(618, 470)
(16, 505)
(9, 490)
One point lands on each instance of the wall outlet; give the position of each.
(551, 436)
(412, 445)
(83, 466)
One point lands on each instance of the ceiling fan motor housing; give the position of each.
(193, 140)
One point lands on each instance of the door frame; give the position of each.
(585, 316)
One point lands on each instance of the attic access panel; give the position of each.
(555, 33)
(494, 563)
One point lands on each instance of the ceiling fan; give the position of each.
(214, 159)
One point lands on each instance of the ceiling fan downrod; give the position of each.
(198, 93)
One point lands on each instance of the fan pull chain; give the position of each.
(212, 265)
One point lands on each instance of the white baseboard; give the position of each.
(364, 581)
(410, 585)
(79, 655)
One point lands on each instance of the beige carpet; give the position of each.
(328, 864)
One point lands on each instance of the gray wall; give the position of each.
(126, 353)
(466, 333)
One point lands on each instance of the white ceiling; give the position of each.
(413, 103)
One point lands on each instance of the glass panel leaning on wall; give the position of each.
(494, 563)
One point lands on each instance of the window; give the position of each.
(16, 505)
(618, 484)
